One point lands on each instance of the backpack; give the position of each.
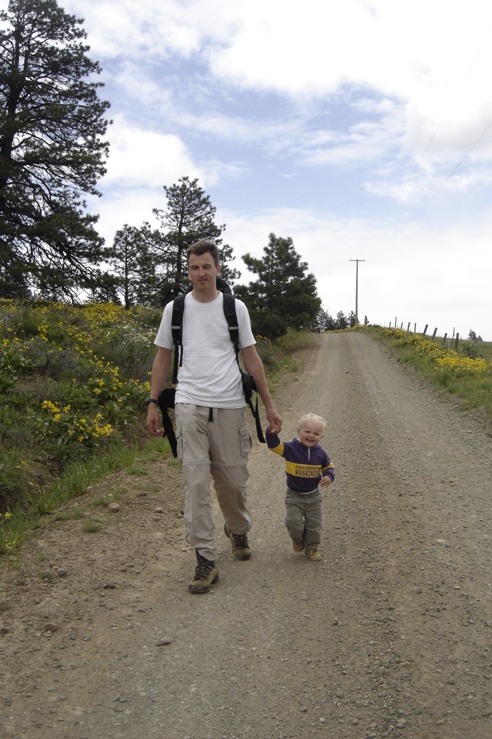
(167, 396)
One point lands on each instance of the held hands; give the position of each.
(274, 422)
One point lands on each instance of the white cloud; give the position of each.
(142, 158)
(156, 28)
(431, 57)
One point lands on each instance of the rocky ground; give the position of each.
(389, 635)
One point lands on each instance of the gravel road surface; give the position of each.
(390, 635)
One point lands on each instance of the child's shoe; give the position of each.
(298, 546)
(313, 555)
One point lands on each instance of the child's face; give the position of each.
(310, 433)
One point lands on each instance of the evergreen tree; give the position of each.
(320, 323)
(228, 273)
(51, 152)
(188, 217)
(331, 324)
(133, 259)
(284, 296)
(106, 290)
(341, 320)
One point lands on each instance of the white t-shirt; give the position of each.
(209, 375)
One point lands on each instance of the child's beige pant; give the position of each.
(213, 441)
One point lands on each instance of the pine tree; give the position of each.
(284, 296)
(188, 217)
(51, 151)
(150, 264)
(133, 259)
(320, 322)
(342, 321)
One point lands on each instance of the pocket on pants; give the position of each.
(245, 443)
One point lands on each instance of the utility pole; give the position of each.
(357, 288)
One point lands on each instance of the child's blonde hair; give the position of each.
(312, 417)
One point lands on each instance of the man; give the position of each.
(210, 413)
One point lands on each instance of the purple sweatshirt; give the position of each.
(304, 466)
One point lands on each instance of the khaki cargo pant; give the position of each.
(213, 442)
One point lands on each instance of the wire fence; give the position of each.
(450, 342)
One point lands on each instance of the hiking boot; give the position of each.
(313, 555)
(206, 575)
(298, 546)
(239, 544)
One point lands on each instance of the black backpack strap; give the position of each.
(256, 414)
(165, 401)
(232, 323)
(177, 331)
(231, 318)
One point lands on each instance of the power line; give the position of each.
(412, 220)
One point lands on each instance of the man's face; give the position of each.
(202, 273)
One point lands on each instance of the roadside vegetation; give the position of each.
(73, 383)
(465, 372)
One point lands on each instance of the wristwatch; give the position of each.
(151, 400)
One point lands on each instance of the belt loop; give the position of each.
(210, 414)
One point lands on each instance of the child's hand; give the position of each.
(325, 482)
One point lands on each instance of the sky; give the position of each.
(361, 129)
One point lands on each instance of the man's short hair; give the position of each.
(203, 247)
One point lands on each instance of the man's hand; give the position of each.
(325, 482)
(154, 423)
(274, 422)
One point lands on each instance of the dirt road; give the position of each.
(389, 635)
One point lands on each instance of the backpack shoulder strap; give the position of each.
(177, 331)
(232, 323)
(231, 318)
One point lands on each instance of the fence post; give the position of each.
(456, 342)
(425, 329)
(444, 339)
(434, 334)
(414, 328)
(408, 327)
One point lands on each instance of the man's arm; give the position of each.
(254, 366)
(160, 368)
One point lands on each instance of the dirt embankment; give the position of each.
(389, 635)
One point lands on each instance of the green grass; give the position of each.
(459, 373)
(73, 482)
(91, 527)
(485, 349)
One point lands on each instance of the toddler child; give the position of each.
(308, 468)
